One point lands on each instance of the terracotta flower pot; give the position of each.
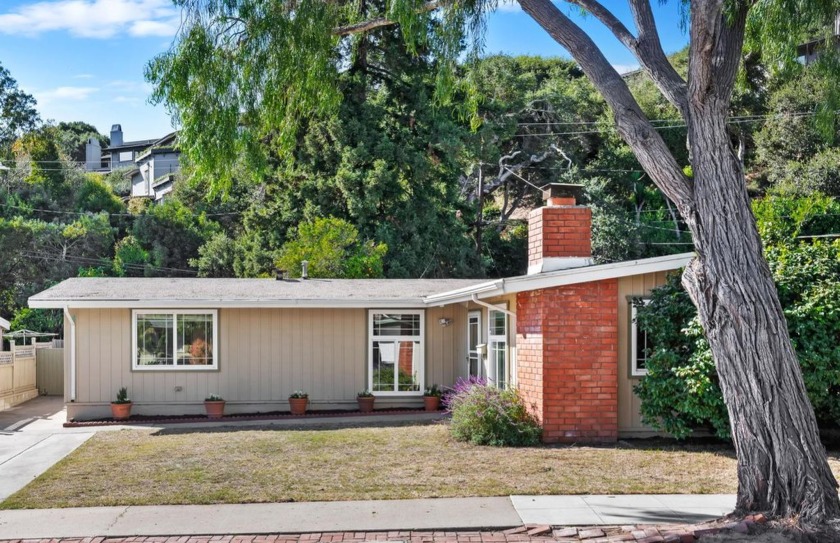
(120, 411)
(366, 403)
(215, 408)
(431, 403)
(298, 405)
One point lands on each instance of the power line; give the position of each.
(680, 124)
(40, 210)
(74, 259)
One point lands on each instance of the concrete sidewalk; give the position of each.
(448, 514)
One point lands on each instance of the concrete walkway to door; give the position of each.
(32, 439)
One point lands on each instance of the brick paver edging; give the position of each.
(641, 533)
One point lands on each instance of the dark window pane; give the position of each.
(394, 324)
(155, 338)
(195, 340)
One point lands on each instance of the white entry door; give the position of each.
(497, 349)
(473, 340)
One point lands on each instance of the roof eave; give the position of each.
(36, 303)
(572, 276)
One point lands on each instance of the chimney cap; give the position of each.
(563, 190)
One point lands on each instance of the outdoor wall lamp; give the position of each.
(444, 321)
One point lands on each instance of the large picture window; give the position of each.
(396, 352)
(639, 343)
(175, 340)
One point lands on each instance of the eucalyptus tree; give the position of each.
(244, 70)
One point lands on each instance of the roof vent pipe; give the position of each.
(279, 274)
(304, 269)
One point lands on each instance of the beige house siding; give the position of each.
(264, 355)
(629, 417)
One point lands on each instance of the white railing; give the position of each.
(7, 357)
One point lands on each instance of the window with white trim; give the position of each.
(497, 348)
(175, 340)
(395, 352)
(640, 347)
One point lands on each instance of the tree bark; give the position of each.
(782, 466)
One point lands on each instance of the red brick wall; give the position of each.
(559, 231)
(567, 359)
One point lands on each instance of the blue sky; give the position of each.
(83, 59)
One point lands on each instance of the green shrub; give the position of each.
(485, 415)
(681, 391)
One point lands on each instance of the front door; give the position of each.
(473, 340)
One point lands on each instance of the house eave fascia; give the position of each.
(35, 303)
(465, 294)
(4, 324)
(572, 276)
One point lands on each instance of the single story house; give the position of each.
(564, 334)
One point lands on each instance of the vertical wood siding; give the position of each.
(264, 355)
(629, 417)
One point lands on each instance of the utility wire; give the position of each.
(39, 210)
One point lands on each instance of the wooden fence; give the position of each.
(17, 374)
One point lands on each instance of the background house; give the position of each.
(563, 334)
(152, 164)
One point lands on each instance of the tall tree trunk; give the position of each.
(782, 466)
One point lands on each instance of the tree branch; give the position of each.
(653, 59)
(716, 43)
(371, 24)
(634, 127)
(646, 48)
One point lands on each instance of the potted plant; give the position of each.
(365, 399)
(121, 407)
(431, 398)
(297, 402)
(214, 405)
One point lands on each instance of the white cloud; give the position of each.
(130, 86)
(83, 76)
(93, 18)
(624, 68)
(58, 94)
(508, 6)
(128, 100)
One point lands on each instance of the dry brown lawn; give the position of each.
(145, 467)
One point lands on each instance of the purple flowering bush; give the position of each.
(486, 415)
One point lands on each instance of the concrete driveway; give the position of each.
(32, 439)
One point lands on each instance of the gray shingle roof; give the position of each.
(180, 292)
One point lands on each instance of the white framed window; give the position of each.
(639, 343)
(167, 340)
(395, 352)
(497, 348)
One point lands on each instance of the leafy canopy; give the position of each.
(246, 71)
(332, 248)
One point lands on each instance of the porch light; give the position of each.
(445, 321)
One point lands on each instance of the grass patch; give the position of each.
(146, 467)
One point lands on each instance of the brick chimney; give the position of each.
(560, 232)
